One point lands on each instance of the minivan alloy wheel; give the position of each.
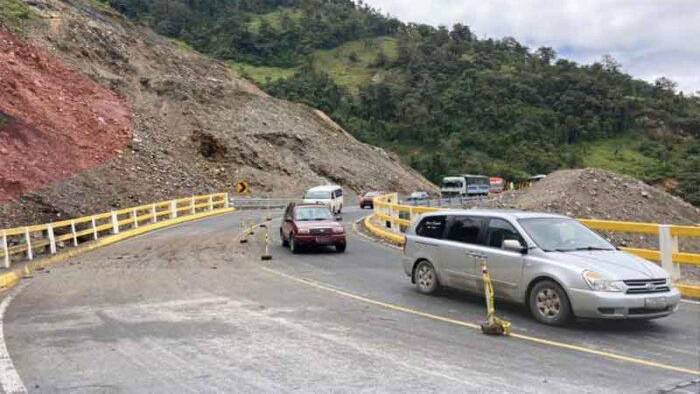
(426, 278)
(548, 302)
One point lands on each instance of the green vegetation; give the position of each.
(274, 20)
(262, 74)
(14, 15)
(445, 100)
(623, 155)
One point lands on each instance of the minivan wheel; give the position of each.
(426, 278)
(549, 303)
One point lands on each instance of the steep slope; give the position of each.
(197, 125)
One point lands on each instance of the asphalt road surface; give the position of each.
(190, 309)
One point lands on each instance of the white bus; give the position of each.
(465, 185)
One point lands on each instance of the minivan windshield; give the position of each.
(563, 235)
(317, 195)
(312, 213)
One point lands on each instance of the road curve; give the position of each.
(189, 309)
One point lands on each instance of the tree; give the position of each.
(546, 55)
(609, 63)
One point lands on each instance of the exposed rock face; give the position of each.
(197, 126)
(54, 122)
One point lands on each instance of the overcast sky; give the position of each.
(650, 38)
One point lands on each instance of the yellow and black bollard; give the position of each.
(251, 229)
(267, 255)
(494, 325)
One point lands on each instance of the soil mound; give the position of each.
(598, 194)
(54, 122)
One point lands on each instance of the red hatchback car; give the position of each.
(367, 199)
(308, 225)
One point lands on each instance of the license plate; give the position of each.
(323, 240)
(656, 303)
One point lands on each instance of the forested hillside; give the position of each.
(445, 100)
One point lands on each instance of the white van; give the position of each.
(332, 196)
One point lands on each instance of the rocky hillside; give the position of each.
(197, 126)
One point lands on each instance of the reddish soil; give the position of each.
(54, 122)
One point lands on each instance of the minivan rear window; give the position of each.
(431, 227)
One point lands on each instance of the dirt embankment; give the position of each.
(54, 122)
(599, 194)
(198, 126)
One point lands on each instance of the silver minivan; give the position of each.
(552, 264)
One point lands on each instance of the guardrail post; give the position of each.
(72, 230)
(192, 205)
(173, 209)
(667, 248)
(28, 239)
(135, 216)
(154, 213)
(94, 229)
(115, 223)
(6, 260)
(211, 202)
(227, 202)
(52, 239)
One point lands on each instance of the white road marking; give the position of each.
(691, 302)
(9, 378)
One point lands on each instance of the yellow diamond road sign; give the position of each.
(242, 187)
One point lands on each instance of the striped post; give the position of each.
(211, 202)
(173, 209)
(154, 213)
(192, 205)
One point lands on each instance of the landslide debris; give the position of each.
(599, 194)
(197, 126)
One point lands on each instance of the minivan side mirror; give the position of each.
(513, 245)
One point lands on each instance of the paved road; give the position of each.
(189, 309)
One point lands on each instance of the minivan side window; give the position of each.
(339, 193)
(465, 229)
(499, 231)
(431, 227)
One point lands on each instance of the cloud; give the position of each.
(651, 38)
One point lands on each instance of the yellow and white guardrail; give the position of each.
(399, 217)
(23, 244)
